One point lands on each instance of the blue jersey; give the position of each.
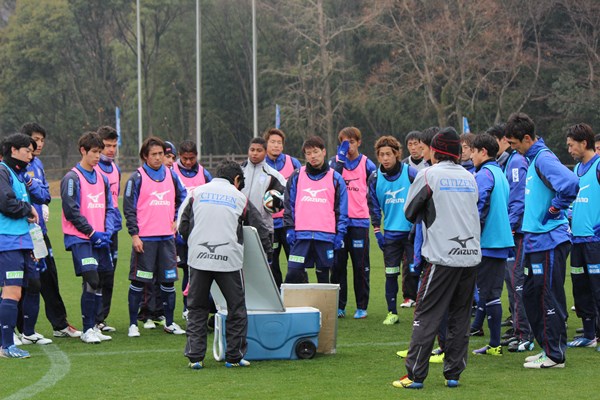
(549, 183)
(493, 206)
(586, 208)
(515, 168)
(391, 196)
(377, 208)
(14, 210)
(36, 170)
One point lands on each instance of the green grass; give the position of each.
(363, 368)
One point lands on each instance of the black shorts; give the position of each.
(158, 260)
(490, 277)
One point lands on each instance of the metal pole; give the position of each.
(139, 75)
(254, 83)
(198, 74)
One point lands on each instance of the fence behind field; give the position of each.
(53, 164)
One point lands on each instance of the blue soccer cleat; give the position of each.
(451, 383)
(241, 363)
(582, 342)
(13, 352)
(360, 314)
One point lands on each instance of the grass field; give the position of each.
(153, 366)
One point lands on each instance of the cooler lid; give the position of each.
(262, 293)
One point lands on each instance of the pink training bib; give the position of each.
(356, 182)
(113, 181)
(315, 202)
(156, 205)
(191, 183)
(286, 171)
(92, 205)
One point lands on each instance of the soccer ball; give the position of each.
(273, 201)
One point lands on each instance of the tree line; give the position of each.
(384, 66)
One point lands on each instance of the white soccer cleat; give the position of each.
(174, 329)
(149, 324)
(133, 331)
(101, 336)
(16, 340)
(36, 338)
(185, 314)
(69, 331)
(90, 337)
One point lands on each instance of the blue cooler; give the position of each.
(274, 332)
(287, 335)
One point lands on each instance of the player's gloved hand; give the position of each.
(342, 152)
(338, 241)
(179, 240)
(290, 236)
(41, 266)
(380, 239)
(45, 212)
(552, 213)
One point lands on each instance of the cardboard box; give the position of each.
(322, 296)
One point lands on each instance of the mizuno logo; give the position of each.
(94, 197)
(551, 312)
(212, 247)
(349, 180)
(159, 195)
(461, 242)
(313, 193)
(581, 189)
(394, 193)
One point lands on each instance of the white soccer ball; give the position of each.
(273, 201)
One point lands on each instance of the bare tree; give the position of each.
(457, 52)
(315, 74)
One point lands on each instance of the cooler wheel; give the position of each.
(305, 349)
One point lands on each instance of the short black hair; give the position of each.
(258, 140)
(90, 140)
(488, 142)
(29, 127)
(150, 142)
(597, 137)
(427, 135)
(581, 132)
(445, 157)
(228, 169)
(412, 135)
(497, 131)
(187, 146)
(313, 142)
(107, 133)
(519, 125)
(18, 141)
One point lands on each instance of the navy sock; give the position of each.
(88, 309)
(589, 328)
(322, 275)
(391, 292)
(479, 315)
(168, 297)
(31, 309)
(134, 298)
(494, 312)
(98, 307)
(8, 320)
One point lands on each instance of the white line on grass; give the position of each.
(60, 366)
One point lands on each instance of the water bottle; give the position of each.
(39, 245)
